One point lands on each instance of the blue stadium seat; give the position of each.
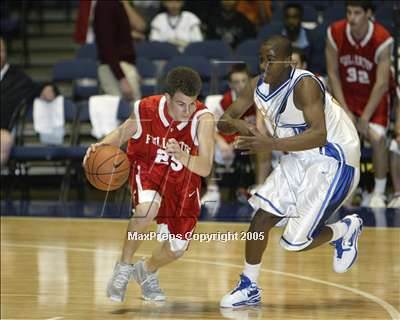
(269, 30)
(81, 72)
(210, 49)
(148, 73)
(87, 51)
(248, 47)
(316, 61)
(154, 50)
(310, 14)
(200, 64)
(67, 70)
(335, 12)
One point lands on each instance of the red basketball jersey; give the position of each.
(249, 116)
(147, 146)
(357, 66)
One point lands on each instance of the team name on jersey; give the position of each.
(349, 60)
(162, 143)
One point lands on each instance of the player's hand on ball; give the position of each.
(92, 148)
(174, 150)
(254, 144)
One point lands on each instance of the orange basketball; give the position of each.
(107, 168)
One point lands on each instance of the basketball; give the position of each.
(107, 168)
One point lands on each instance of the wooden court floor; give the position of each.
(54, 268)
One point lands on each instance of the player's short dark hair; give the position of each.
(239, 68)
(183, 79)
(294, 5)
(365, 4)
(301, 54)
(282, 42)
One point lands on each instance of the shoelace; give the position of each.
(152, 283)
(122, 277)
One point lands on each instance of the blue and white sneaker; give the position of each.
(245, 294)
(346, 250)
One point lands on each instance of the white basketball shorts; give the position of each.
(306, 191)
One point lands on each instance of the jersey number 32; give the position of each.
(354, 75)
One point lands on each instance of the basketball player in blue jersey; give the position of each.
(319, 171)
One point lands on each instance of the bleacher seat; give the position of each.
(198, 63)
(154, 50)
(269, 30)
(210, 49)
(87, 51)
(83, 127)
(29, 154)
(81, 73)
(248, 47)
(335, 12)
(148, 73)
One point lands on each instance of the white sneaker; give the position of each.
(118, 283)
(211, 200)
(245, 294)
(377, 201)
(346, 249)
(394, 203)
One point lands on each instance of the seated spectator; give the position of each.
(112, 27)
(236, 171)
(176, 26)
(292, 18)
(16, 88)
(230, 25)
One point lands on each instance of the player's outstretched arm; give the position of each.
(200, 164)
(332, 67)
(378, 90)
(230, 121)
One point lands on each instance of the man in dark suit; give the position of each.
(16, 88)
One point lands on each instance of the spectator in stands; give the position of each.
(113, 22)
(176, 26)
(358, 55)
(230, 25)
(299, 36)
(395, 156)
(299, 58)
(226, 159)
(257, 11)
(16, 88)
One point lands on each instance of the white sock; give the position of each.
(252, 271)
(339, 229)
(380, 186)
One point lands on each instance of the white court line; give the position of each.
(392, 311)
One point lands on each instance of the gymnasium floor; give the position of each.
(58, 268)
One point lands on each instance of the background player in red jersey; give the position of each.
(226, 159)
(171, 144)
(358, 61)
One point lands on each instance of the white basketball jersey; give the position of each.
(279, 109)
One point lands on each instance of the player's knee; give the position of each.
(175, 254)
(262, 221)
(378, 140)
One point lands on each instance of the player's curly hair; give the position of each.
(185, 80)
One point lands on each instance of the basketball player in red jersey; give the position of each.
(358, 55)
(171, 144)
